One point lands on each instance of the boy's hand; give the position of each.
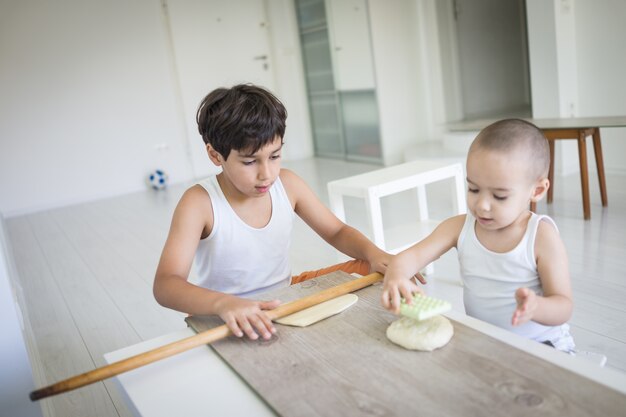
(247, 317)
(380, 262)
(526, 306)
(396, 287)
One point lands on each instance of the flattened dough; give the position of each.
(319, 312)
(426, 335)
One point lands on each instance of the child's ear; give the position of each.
(214, 155)
(540, 189)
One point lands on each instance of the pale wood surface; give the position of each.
(557, 123)
(344, 365)
(206, 337)
(58, 339)
(118, 241)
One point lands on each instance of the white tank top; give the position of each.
(491, 279)
(239, 259)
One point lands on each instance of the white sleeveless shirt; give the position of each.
(239, 259)
(490, 280)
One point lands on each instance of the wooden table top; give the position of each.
(556, 123)
(345, 365)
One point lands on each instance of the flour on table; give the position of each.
(319, 312)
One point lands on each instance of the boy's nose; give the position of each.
(264, 171)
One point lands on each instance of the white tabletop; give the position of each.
(406, 175)
(193, 383)
(199, 383)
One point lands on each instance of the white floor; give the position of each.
(86, 273)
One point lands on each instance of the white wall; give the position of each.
(91, 99)
(543, 58)
(87, 98)
(396, 65)
(577, 55)
(601, 64)
(289, 78)
(451, 89)
(552, 48)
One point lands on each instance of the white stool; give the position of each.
(374, 185)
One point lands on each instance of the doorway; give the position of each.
(492, 50)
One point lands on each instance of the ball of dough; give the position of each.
(426, 335)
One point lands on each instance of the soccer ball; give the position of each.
(157, 179)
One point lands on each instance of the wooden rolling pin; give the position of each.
(199, 339)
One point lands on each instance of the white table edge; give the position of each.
(195, 382)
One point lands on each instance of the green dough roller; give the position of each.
(423, 307)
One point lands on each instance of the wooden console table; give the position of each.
(577, 128)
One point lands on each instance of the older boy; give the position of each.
(238, 224)
(513, 263)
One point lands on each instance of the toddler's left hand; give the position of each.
(526, 306)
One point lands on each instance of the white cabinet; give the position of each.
(372, 76)
(341, 88)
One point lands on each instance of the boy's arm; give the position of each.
(555, 306)
(192, 218)
(344, 238)
(398, 282)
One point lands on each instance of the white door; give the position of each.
(216, 43)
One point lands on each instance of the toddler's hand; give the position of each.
(396, 287)
(244, 316)
(526, 306)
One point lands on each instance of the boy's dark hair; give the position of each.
(244, 117)
(512, 134)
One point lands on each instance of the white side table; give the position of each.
(373, 185)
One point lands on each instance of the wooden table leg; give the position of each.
(597, 148)
(551, 172)
(584, 174)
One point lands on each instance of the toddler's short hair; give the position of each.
(244, 117)
(511, 135)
